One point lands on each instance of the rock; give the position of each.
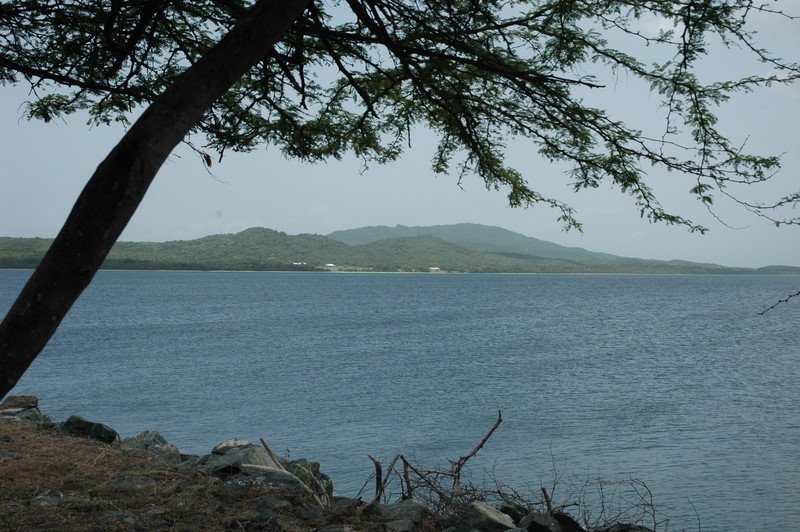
(232, 443)
(567, 523)
(344, 507)
(134, 523)
(481, 516)
(9, 455)
(621, 527)
(403, 525)
(5, 438)
(514, 510)
(309, 473)
(77, 426)
(414, 511)
(263, 504)
(142, 441)
(266, 477)
(48, 498)
(20, 401)
(267, 520)
(154, 444)
(33, 415)
(540, 522)
(228, 457)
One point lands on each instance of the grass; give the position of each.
(105, 488)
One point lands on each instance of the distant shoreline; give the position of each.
(460, 248)
(335, 272)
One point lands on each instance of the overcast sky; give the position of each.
(44, 167)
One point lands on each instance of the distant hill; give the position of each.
(458, 248)
(475, 237)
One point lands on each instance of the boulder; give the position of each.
(143, 441)
(269, 478)
(24, 408)
(77, 426)
(48, 498)
(30, 415)
(228, 457)
(343, 508)
(481, 516)
(309, 473)
(402, 525)
(409, 509)
(540, 522)
(567, 523)
(514, 510)
(33, 415)
(20, 401)
(154, 444)
(622, 527)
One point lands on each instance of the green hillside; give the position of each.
(457, 248)
(475, 237)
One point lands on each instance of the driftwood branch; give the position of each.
(409, 491)
(458, 465)
(424, 478)
(547, 499)
(378, 478)
(271, 454)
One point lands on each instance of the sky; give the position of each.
(45, 166)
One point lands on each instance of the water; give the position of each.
(674, 380)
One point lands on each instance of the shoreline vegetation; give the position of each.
(460, 248)
(80, 474)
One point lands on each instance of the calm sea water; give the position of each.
(674, 380)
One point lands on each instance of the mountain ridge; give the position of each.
(456, 248)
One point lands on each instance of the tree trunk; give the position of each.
(119, 184)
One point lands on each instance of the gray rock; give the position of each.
(309, 473)
(33, 415)
(154, 445)
(267, 520)
(540, 522)
(343, 507)
(228, 457)
(402, 525)
(567, 523)
(5, 438)
(622, 527)
(9, 455)
(414, 511)
(134, 523)
(263, 504)
(20, 401)
(266, 478)
(77, 426)
(48, 498)
(514, 510)
(481, 516)
(142, 441)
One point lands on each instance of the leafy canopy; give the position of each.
(359, 75)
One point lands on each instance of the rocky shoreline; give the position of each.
(145, 483)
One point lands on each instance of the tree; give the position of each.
(322, 79)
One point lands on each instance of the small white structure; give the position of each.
(434, 269)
